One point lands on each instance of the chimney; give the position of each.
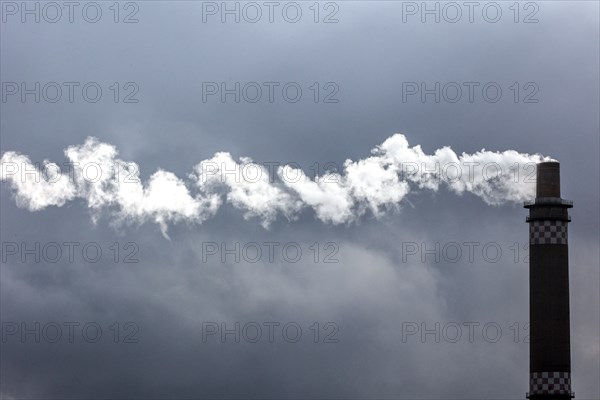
(549, 347)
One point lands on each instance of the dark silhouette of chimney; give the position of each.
(549, 347)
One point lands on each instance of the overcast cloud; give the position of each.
(360, 254)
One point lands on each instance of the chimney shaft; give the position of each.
(548, 179)
(549, 348)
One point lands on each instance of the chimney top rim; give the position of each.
(549, 163)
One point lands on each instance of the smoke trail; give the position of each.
(375, 184)
(379, 182)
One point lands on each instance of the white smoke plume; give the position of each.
(248, 185)
(376, 184)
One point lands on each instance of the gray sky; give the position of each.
(377, 290)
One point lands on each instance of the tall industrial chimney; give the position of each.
(549, 347)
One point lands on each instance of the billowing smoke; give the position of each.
(376, 184)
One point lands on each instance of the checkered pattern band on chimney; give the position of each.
(550, 383)
(548, 232)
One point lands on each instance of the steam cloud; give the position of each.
(376, 184)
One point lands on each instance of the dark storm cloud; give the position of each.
(375, 291)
